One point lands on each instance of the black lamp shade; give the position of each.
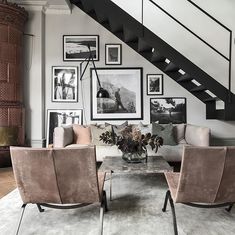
(102, 93)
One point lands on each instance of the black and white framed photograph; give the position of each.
(64, 84)
(75, 47)
(113, 54)
(124, 86)
(154, 84)
(61, 117)
(168, 110)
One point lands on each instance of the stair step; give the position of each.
(129, 36)
(115, 26)
(143, 46)
(185, 78)
(133, 44)
(75, 1)
(212, 99)
(78, 3)
(106, 24)
(199, 88)
(120, 34)
(92, 13)
(146, 54)
(171, 67)
(220, 114)
(156, 57)
(86, 5)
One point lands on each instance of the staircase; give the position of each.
(162, 55)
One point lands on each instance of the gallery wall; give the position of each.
(78, 23)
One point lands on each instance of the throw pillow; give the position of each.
(145, 128)
(96, 131)
(179, 130)
(166, 132)
(81, 134)
(118, 128)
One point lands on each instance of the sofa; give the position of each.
(180, 135)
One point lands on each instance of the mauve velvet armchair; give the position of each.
(58, 176)
(206, 179)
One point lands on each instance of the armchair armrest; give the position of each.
(63, 136)
(197, 136)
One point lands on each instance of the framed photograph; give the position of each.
(124, 86)
(113, 54)
(64, 84)
(75, 47)
(154, 84)
(168, 110)
(61, 117)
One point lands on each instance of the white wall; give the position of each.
(34, 78)
(80, 23)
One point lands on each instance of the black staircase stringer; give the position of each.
(141, 39)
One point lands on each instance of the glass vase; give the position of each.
(135, 157)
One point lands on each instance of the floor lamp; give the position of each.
(102, 93)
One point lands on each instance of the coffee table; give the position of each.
(154, 164)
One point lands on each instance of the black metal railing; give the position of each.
(228, 58)
(230, 40)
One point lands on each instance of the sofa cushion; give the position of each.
(118, 128)
(81, 134)
(63, 136)
(197, 136)
(166, 132)
(144, 128)
(179, 132)
(96, 131)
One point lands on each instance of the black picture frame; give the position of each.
(154, 84)
(125, 87)
(168, 110)
(64, 86)
(75, 47)
(113, 54)
(59, 117)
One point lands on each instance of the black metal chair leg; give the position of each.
(101, 218)
(40, 208)
(104, 201)
(166, 200)
(229, 208)
(21, 218)
(173, 215)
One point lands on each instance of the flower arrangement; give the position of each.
(132, 141)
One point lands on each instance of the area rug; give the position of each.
(136, 209)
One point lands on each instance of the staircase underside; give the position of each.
(162, 55)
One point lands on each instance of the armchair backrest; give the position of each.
(56, 175)
(207, 175)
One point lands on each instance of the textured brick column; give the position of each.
(12, 19)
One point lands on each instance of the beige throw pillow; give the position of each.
(81, 134)
(96, 131)
(179, 131)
